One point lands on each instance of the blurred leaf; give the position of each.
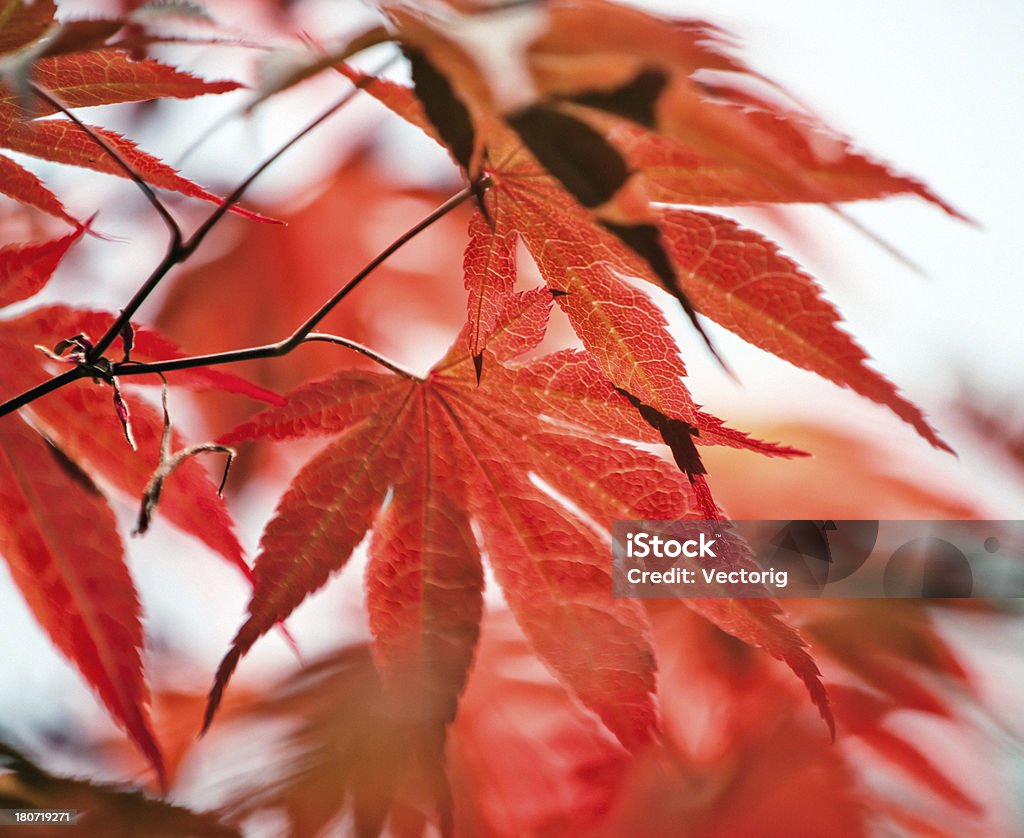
(102, 809)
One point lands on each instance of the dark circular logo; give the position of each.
(930, 568)
(818, 553)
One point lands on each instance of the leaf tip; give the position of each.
(220, 682)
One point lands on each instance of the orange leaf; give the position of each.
(20, 184)
(105, 77)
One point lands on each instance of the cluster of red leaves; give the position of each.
(495, 453)
(740, 752)
(59, 535)
(583, 205)
(78, 68)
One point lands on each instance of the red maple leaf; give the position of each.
(576, 175)
(420, 461)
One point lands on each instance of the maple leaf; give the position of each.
(587, 268)
(864, 715)
(496, 456)
(524, 758)
(743, 282)
(432, 442)
(426, 459)
(736, 724)
(830, 171)
(105, 77)
(674, 100)
(62, 547)
(20, 184)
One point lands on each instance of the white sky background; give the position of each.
(936, 88)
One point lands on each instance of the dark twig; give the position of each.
(40, 390)
(439, 213)
(182, 250)
(118, 160)
(305, 332)
(272, 350)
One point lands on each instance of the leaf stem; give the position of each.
(362, 350)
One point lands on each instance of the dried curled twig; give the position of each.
(169, 461)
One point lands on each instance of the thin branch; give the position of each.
(138, 298)
(255, 353)
(182, 250)
(271, 350)
(305, 332)
(41, 390)
(236, 195)
(118, 160)
(248, 108)
(458, 198)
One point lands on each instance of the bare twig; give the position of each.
(118, 160)
(439, 213)
(271, 350)
(305, 332)
(180, 252)
(169, 461)
(41, 390)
